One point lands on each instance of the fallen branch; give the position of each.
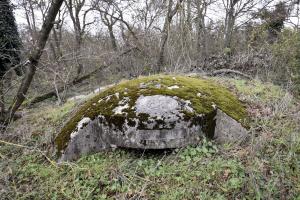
(33, 59)
(230, 71)
(53, 163)
(54, 92)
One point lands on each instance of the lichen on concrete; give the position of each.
(118, 104)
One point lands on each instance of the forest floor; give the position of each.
(266, 167)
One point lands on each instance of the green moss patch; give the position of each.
(200, 92)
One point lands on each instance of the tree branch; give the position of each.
(53, 93)
(34, 58)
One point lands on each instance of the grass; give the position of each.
(265, 168)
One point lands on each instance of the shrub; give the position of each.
(287, 59)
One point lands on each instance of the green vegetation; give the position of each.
(202, 94)
(267, 167)
(287, 54)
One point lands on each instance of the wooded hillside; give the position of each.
(56, 55)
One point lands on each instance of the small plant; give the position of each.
(287, 53)
(194, 154)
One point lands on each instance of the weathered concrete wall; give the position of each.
(153, 113)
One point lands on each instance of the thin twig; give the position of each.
(53, 163)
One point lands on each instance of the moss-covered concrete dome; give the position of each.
(157, 107)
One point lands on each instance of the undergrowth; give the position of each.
(267, 167)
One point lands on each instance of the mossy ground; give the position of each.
(200, 92)
(265, 168)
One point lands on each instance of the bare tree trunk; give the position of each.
(57, 90)
(34, 58)
(124, 37)
(109, 21)
(189, 15)
(75, 8)
(161, 55)
(30, 18)
(165, 33)
(78, 43)
(201, 33)
(56, 40)
(230, 21)
(112, 38)
(55, 43)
